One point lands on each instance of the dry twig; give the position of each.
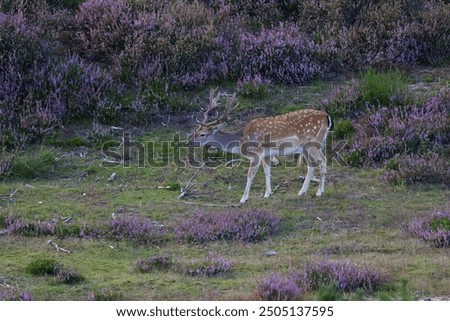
(190, 183)
(59, 249)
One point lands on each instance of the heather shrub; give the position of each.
(136, 228)
(42, 266)
(84, 87)
(382, 88)
(434, 31)
(408, 169)
(257, 14)
(29, 7)
(15, 295)
(16, 225)
(213, 265)
(65, 276)
(253, 87)
(245, 226)
(30, 101)
(343, 101)
(277, 287)
(344, 275)
(104, 28)
(434, 228)
(283, 54)
(157, 262)
(381, 36)
(186, 38)
(65, 4)
(385, 132)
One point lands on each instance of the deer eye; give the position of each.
(202, 135)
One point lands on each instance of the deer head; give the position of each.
(205, 133)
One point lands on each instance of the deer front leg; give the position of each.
(323, 172)
(308, 177)
(254, 166)
(266, 167)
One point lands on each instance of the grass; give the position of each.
(383, 88)
(359, 218)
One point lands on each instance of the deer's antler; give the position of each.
(231, 105)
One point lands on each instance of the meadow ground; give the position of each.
(360, 217)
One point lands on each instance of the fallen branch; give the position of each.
(190, 183)
(313, 179)
(9, 197)
(278, 186)
(59, 249)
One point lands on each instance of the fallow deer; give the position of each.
(299, 132)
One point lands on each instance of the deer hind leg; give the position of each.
(254, 166)
(314, 157)
(323, 172)
(308, 177)
(266, 167)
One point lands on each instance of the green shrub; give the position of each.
(343, 129)
(442, 223)
(41, 266)
(383, 88)
(33, 165)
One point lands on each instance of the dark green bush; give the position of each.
(34, 165)
(343, 129)
(41, 266)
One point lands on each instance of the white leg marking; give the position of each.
(250, 176)
(308, 177)
(266, 167)
(323, 172)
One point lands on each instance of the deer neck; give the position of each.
(228, 141)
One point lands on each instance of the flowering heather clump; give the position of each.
(68, 276)
(139, 229)
(152, 263)
(282, 54)
(17, 226)
(345, 275)
(434, 228)
(253, 87)
(104, 27)
(409, 169)
(214, 265)
(385, 132)
(277, 287)
(83, 85)
(15, 295)
(245, 226)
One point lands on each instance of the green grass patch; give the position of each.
(33, 165)
(383, 88)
